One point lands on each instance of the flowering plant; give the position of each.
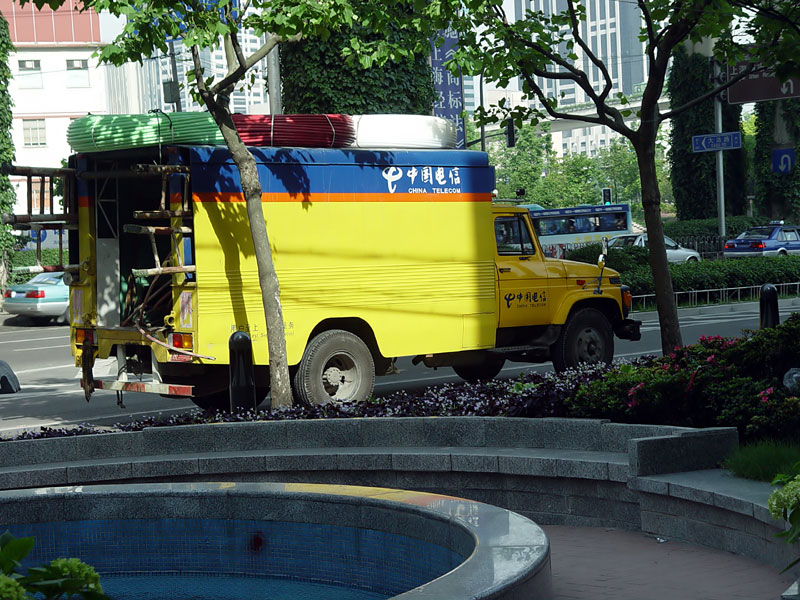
(61, 578)
(784, 503)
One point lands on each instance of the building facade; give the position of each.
(612, 33)
(56, 79)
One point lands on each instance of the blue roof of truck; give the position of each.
(356, 173)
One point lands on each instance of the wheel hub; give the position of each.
(333, 376)
(590, 346)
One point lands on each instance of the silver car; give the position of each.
(675, 252)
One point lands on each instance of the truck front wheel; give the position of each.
(585, 338)
(336, 366)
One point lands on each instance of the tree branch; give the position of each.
(768, 12)
(651, 34)
(713, 92)
(207, 95)
(595, 61)
(253, 59)
(620, 128)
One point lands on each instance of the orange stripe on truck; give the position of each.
(328, 197)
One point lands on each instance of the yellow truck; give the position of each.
(379, 253)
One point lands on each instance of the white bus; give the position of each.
(561, 229)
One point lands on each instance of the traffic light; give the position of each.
(606, 195)
(511, 135)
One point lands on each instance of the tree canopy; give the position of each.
(545, 49)
(542, 47)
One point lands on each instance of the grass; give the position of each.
(765, 459)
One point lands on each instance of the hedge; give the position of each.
(27, 258)
(620, 259)
(710, 227)
(709, 275)
(633, 265)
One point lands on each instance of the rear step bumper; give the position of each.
(151, 387)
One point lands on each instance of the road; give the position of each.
(51, 395)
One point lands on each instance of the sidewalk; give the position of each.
(591, 563)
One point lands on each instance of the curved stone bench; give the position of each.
(657, 479)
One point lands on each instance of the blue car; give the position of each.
(44, 296)
(775, 239)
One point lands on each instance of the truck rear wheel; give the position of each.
(337, 366)
(585, 338)
(480, 371)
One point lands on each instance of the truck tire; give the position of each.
(585, 338)
(480, 371)
(217, 402)
(336, 366)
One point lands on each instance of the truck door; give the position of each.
(521, 274)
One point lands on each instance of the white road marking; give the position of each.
(23, 395)
(45, 369)
(40, 348)
(55, 337)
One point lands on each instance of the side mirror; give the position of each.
(601, 260)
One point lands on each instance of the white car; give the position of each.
(675, 252)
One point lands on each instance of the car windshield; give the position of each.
(47, 279)
(756, 233)
(623, 240)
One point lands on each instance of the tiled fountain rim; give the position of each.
(429, 517)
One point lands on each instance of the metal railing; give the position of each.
(715, 296)
(709, 246)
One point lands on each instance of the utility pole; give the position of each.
(720, 170)
(174, 64)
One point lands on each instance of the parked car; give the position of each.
(675, 252)
(775, 239)
(44, 296)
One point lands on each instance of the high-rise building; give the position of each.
(159, 69)
(611, 31)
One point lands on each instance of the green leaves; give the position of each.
(62, 578)
(12, 551)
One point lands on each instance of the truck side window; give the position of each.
(512, 236)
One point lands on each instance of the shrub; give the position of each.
(762, 460)
(718, 382)
(710, 275)
(710, 227)
(27, 258)
(61, 578)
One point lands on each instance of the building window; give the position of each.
(33, 133)
(77, 73)
(30, 74)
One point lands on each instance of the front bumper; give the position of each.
(628, 329)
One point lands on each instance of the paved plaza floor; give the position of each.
(607, 564)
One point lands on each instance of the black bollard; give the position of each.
(242, 385)
(768, 306)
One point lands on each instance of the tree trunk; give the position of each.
(280, 387)
(662, 280)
